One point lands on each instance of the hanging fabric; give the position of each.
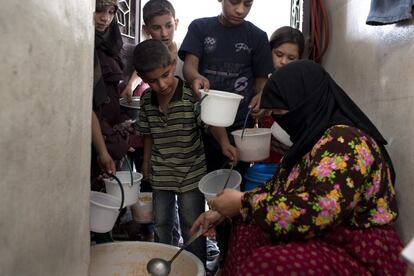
(384, 12)
(319, 30)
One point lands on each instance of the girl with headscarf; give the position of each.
(109, 132)
(110, 128)
(330, 207)
(288, 45)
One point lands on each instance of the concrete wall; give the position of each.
(45, 109)
(375, 65)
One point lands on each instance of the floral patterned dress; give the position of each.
(336, 199)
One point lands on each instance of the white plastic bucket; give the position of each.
(255, 144)
(131, 192)
(104, 210)
(212, 183)
(219, 108)
(142, 209)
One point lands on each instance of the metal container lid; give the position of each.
(135, 102)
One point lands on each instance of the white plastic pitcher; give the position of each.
(219, 108)
(104, 210)
(131, 192)
(255, 144)
(212, 183)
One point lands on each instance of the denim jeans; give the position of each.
(190, 205)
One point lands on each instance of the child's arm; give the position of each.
(192, 76)
(104, 159)
(147, 156)
(255, 102)
(133, 82)
(228, 149)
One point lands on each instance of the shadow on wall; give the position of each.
(374, 65)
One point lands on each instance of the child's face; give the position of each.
(162, 80)
(162, 28)
(104, 18)
(284, 54)
(234, 11)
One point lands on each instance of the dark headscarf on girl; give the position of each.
(111, 43)
(315, 103)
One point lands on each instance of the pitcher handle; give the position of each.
(122, 190)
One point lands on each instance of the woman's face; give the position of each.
(284, 54)
(103, 18)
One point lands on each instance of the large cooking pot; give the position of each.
(131, 258)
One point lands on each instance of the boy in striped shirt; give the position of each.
(174, 157)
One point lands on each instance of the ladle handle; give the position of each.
(245, 122)
(190, 241)
(228, 177)
(130, 169)
(202, 99)
(122, 190)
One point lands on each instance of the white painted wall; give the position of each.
(45, 82)
(267, 15)
(375, 65)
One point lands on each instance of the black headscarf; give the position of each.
(110, 42)
(315, 103)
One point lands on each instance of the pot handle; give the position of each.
(201, 100)
(122, 190)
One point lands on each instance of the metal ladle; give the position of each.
(245, 121)
(161, 267)
(228, 177)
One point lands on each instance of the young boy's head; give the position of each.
(159, 21)
(153, 63)
(234, 11)
(287, 45)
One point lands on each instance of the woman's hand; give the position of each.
(227, 203)
(106, 162)
(207, 220)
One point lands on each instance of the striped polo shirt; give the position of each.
(177, 156)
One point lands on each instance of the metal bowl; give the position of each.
(131, 108)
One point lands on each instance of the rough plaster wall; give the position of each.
(45, 82)
(375, 65)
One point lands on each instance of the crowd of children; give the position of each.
(175, 156)
(175, 148)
